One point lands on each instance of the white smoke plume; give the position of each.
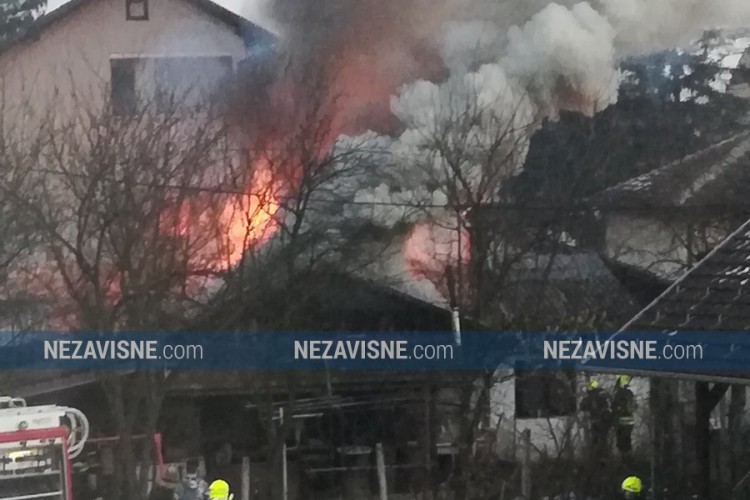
(563, 57)
(644, 26)
(507, 66)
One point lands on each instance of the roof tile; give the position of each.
(714, 294)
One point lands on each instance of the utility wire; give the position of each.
(515, 206)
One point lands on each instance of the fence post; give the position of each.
(245, 478)
(150, 479)
(526, 465)
(202, 466)
(382, 483)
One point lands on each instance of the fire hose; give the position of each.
(79, 431)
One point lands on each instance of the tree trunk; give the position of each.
(703, 440)
(706, 398)
(465, 440)
(736, 409)
(131, 398)
(429, 444)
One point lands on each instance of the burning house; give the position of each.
(363, 186)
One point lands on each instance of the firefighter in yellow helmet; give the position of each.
(623, 410)
(219, 490)
(632, 488)
(595, 406)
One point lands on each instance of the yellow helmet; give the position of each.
(593, 384)
(632, 484)
(624, 380)
(219, 490)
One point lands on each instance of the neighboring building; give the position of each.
(714, 295)
(739, 86)
(73, 63)
(387, 406)
(125, 48)
(663, 221)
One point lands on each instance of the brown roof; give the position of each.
(713, 295)
(694, 180)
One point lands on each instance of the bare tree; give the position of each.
(491, 249)
(302, 176)
(125, 209)
(290, 222)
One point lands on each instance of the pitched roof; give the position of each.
(713, 295)
(553, 286)
(567, 289)
(250, 32)
(692, 180)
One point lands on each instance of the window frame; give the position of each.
(129, 15)
(165, 87)
(551, 406)
(120, 107)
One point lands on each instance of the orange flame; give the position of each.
(249, 220)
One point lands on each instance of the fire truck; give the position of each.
(37, 444)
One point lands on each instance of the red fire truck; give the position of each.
(37, 444)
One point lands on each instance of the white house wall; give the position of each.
(64, 72)
(556, 436)
(72, 55)
(647, 243)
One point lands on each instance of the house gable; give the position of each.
(69, 51)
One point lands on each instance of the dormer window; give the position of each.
(136, 10)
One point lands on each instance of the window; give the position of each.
(188, 80)
(123, 86)
(136, 10)
(169, 81)
(544, 394)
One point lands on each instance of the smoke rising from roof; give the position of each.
(506, 64)
(563, 49)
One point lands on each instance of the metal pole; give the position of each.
(382, 483)
(456, 317)
(653, 444)
(284, 473)
(455, 311)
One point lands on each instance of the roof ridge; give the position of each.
(210, 7)
(700, 180)
(739, 137)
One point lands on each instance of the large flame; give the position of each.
(249, 220)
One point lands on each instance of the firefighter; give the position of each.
(192, 486)
(632, 488)
(623, 409)
(219, 490)
(596, 406)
